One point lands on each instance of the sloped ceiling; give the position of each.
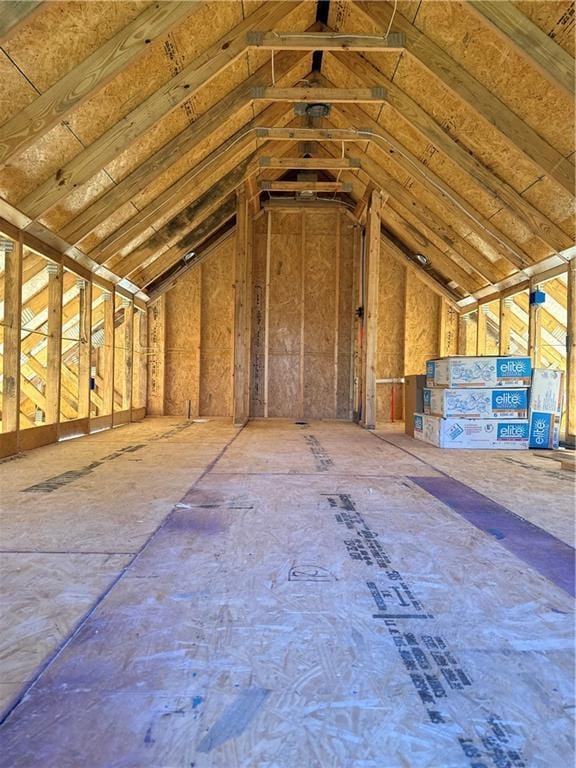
(127, 127)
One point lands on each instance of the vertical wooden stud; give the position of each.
(108, 353)
(505, 326)
(267, 312)
(481, 329)
(242, 313)
(128, 341)
(302, 407)
(54, 344)
(337, 311)
(156, 347)
(371, 311)
(12, 311)
(571, 355)
(534, 330)
(85, 349)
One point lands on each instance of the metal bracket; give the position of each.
(254, 37)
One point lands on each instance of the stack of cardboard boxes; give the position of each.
(489, 402)
(476, 402)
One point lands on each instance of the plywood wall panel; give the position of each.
(391, 322)
(308, 314)
(183, 346)
(216, 333)
(422, 325)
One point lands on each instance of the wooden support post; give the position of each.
(12, 311)
(54, 344)
(534, 330)
(108, 353)
(481, 331)
(571, 356)
(242, 294)
(128, 342)
(371, 311)
(140, 360)
(85, 349)
(467, 338)
(505, 326)
(157, 357)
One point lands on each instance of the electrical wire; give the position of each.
(391, 20)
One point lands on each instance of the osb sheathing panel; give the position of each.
(216, 332)
(158, 185)
(74, 29)
(465, 124)
(298, 20)
(555, 17)
(183, 345)
(450, 336)
(309, 315)
(321, 272)
(422, 320)
(450, 172)
(285, 315)
(145, 146)
(163, 132)
(505, 221)
(346, 18)
(464, 36)
(390, 340)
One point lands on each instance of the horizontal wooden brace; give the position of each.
(304, 186)
(325, 41)
(320, 95)
(310, 163)
(312, 134)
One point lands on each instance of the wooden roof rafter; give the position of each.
(148, 113)
(475, 95)
(156, 263)
(433, 133)
(105, 205)
(82, 81)
(183, 190)
(430, 224)
(534, 45)
(15, 13)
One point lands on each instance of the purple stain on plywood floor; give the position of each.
(235, 718)
(552, 558)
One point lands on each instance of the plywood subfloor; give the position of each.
(297, 598)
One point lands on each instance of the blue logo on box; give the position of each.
(418, 423)
(541, 427)
(510, 430)
(430, 369)
(513, 367)
(510, 400)
(455, 431)
(427, 397)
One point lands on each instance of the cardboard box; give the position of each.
(479, 372)
(498, 403)
(470, 434)
(413, 400)
(546, 399)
